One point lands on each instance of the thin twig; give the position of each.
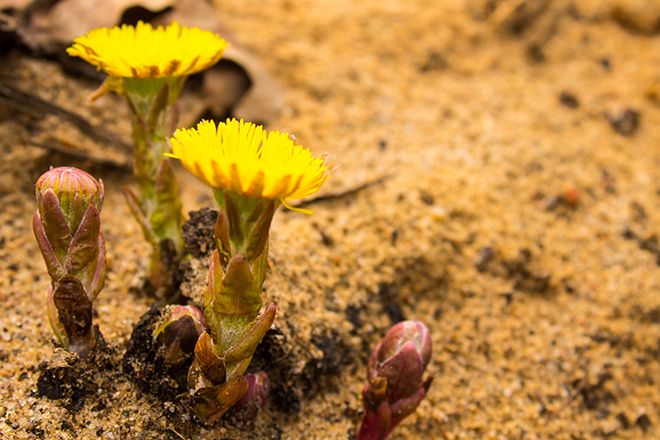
(57, 146)
(36, 107)
(343, 194)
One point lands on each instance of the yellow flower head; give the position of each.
(244, 158)
(147, 52)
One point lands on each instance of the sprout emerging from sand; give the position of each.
(148, 66)
(252, 173)
(395, 386)
(67, 228)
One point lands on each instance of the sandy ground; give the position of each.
(518, 218)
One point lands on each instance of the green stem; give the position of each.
(238, 270)
(159, 211)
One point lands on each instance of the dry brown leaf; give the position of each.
(264, 100)
(69, 19)
(238, 83)
(17, 5)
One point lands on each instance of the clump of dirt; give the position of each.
(198, 232)
(145, 366)
(72, 379)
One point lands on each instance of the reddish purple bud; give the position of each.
(67, 228)
(248, 407)
(396, 386)
(75, 191)
(177, 333)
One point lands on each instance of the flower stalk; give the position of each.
(66, 226)
(157, 206)
(252, 172)
(395, 383)
(148, 66)
(232, 305)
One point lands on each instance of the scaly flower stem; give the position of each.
(158, 205)
(232, 303)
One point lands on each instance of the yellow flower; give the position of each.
(147, 52)
(244, 158)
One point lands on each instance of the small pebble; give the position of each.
(568, 100)
(626, 122)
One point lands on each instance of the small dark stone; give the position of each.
(535, 53)
(605, 63)
(569, 100)
(644, 422)
(326, 239)
(382, 144)
(650, 244)
(626, 123)
(484, 257)
(628, 233)
(394, 237)
(623, 419)
(434, 61)
(536, 283)
(426, 198)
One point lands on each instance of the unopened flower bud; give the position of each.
(67, 227)
(395, 373)
(75, 191)
(177, 333)
(248, 407)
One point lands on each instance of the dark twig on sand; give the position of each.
(61, 147)
(343, 194)
(36, 107)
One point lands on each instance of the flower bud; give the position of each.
(75, 191)
(177, 333)
(399, 335)
(67, 227)
(248, 407)
(395, 374)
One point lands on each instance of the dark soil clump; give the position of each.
(198, 232)
(143, 365)
(68, 377)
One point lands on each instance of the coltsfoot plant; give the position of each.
(395, 384)
(67, 227)
(148, 66)
(252, 172)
